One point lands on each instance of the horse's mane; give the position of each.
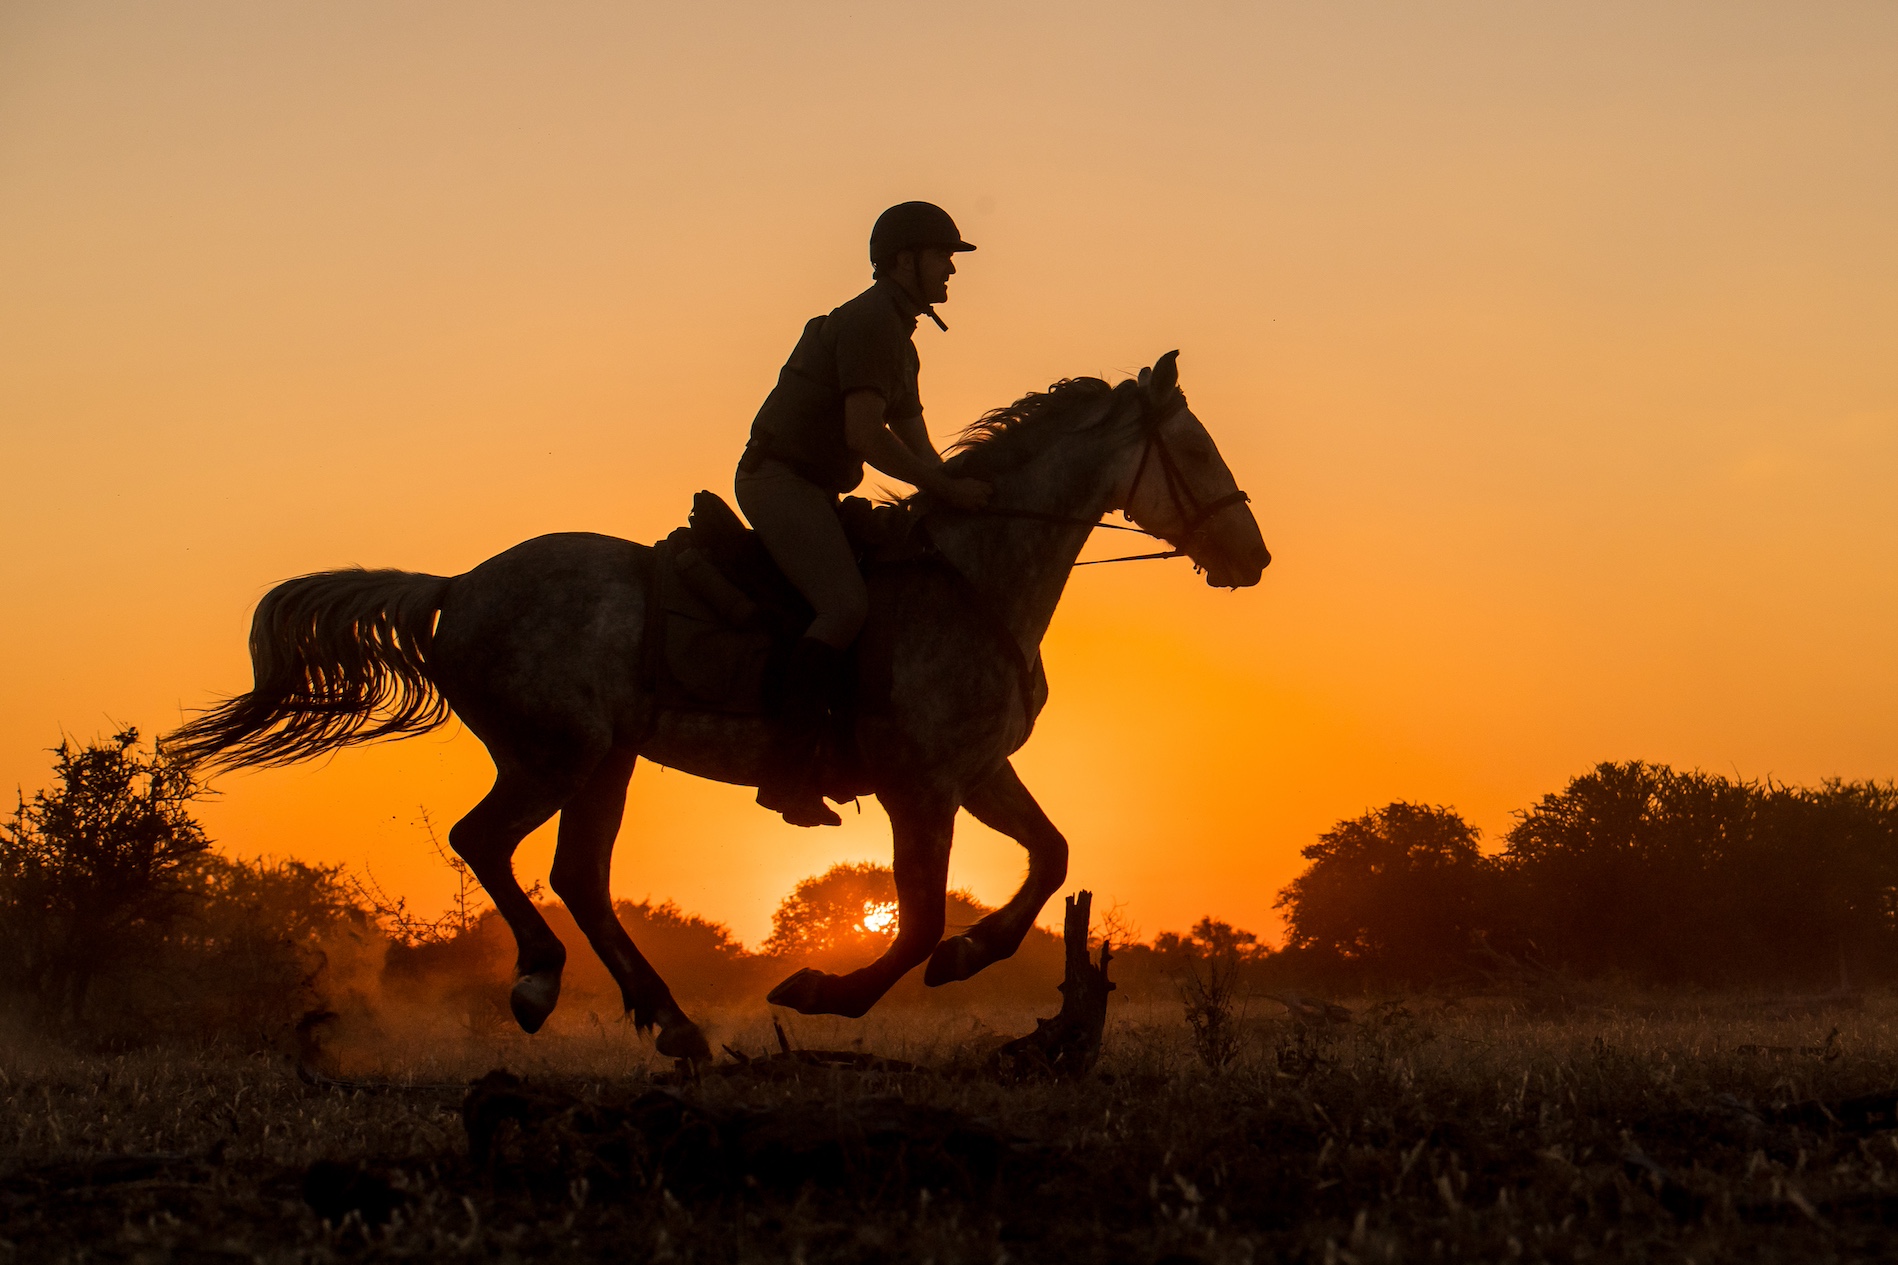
(1006, 437)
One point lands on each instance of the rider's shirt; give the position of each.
(865, 345)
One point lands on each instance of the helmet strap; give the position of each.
(912, 283)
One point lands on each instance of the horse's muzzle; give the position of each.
(1234, 555)
(1244, 574)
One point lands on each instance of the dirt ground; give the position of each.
(1709, 1129)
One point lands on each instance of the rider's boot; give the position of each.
(795, 763)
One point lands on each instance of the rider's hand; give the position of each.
(963, 494)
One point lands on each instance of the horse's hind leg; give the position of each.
(589, 823)
(521, 800)
(1002, 803)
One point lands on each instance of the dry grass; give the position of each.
(1663, 1130)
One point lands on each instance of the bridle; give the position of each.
(1195, 515)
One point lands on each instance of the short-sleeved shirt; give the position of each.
(865, 345)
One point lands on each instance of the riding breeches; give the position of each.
(797, 521)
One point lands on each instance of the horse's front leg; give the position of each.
(923, 827)
(1002, 803)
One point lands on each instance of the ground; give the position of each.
(1427, 1128)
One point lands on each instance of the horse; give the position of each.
(537, 651)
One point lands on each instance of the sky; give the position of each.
(1554, 342)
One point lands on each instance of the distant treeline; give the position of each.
(119, 920)
(1633, 870)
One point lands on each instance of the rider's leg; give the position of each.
(797, 521)
(790, 782)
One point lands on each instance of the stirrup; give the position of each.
(800, 808)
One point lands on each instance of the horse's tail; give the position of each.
(338, 657)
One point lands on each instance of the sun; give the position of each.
(879, 918)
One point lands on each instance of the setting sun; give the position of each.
(879, 918)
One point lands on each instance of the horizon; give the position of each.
(1554, 349)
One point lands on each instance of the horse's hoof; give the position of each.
(533, 999)
(683, 1040)
(802, 992)
(956, 958)
(811, 992)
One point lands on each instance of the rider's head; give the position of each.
(913, 245)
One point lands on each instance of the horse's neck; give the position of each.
(1022, 565)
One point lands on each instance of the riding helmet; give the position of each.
(911, 226)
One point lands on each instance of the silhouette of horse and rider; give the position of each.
(833, 650)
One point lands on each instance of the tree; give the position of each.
(1693, 877)
(849, 907)
(1615, 871)
(97, 869)
(1816, 883)
(1398, 893)
(1210, 938)
(1628, 867)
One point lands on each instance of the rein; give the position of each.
(1064, 521)
(1195, 514)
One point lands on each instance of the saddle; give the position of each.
(725, 618)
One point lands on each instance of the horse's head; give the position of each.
(1177, 486)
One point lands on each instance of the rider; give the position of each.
(847, 395)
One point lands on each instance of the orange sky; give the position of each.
(1555, 344)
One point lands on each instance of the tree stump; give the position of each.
(1068, 1045)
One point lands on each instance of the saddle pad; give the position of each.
(717, 642)
(706, 663)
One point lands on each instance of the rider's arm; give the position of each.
(912, 432)
(869, 435)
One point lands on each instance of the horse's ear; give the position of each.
(1165, 376)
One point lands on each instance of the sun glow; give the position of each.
(879, 917)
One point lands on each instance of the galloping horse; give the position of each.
(537, 650)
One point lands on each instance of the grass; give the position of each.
(1652, 1128)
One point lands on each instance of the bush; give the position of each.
(466, 971)
(95, 873)
(266, 944)
(1214, 966)
(127, 927)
